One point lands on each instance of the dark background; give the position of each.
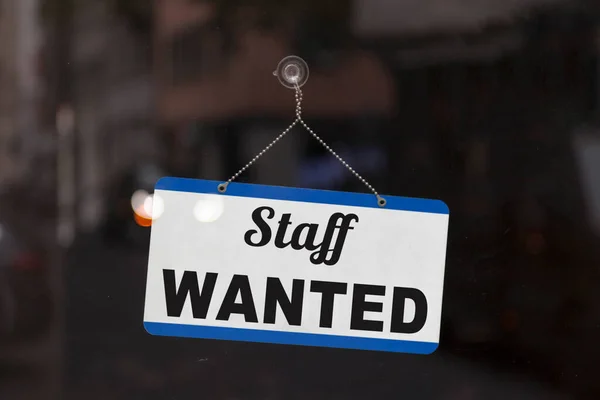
(492, 109)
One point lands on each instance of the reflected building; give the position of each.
(20, 136)
(7, 94)
(113, 98)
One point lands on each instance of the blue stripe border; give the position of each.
(303, 195)
(293, 338)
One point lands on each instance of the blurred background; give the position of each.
(490, 105)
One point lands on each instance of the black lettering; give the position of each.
(309, 242)
(320, 256)
(284, 222)
(175, 298)
(261, 224)
(239, 284)
(359, 306)
(399, 303)
(328, 291)
(292, 309)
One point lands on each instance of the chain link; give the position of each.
(223, 186)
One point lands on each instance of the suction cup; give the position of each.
(292, 71)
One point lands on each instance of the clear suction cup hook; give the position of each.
(292, 71)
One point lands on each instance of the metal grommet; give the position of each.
(381, 201)
(292, 72)
(222, 187)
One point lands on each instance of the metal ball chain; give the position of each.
(223, 186)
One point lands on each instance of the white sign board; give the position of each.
(296, 266)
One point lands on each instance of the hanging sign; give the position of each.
(295, 266)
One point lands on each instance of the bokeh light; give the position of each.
(208, 209)
(146, 207)
(154, 206)
(138, 198)
(141, 220)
